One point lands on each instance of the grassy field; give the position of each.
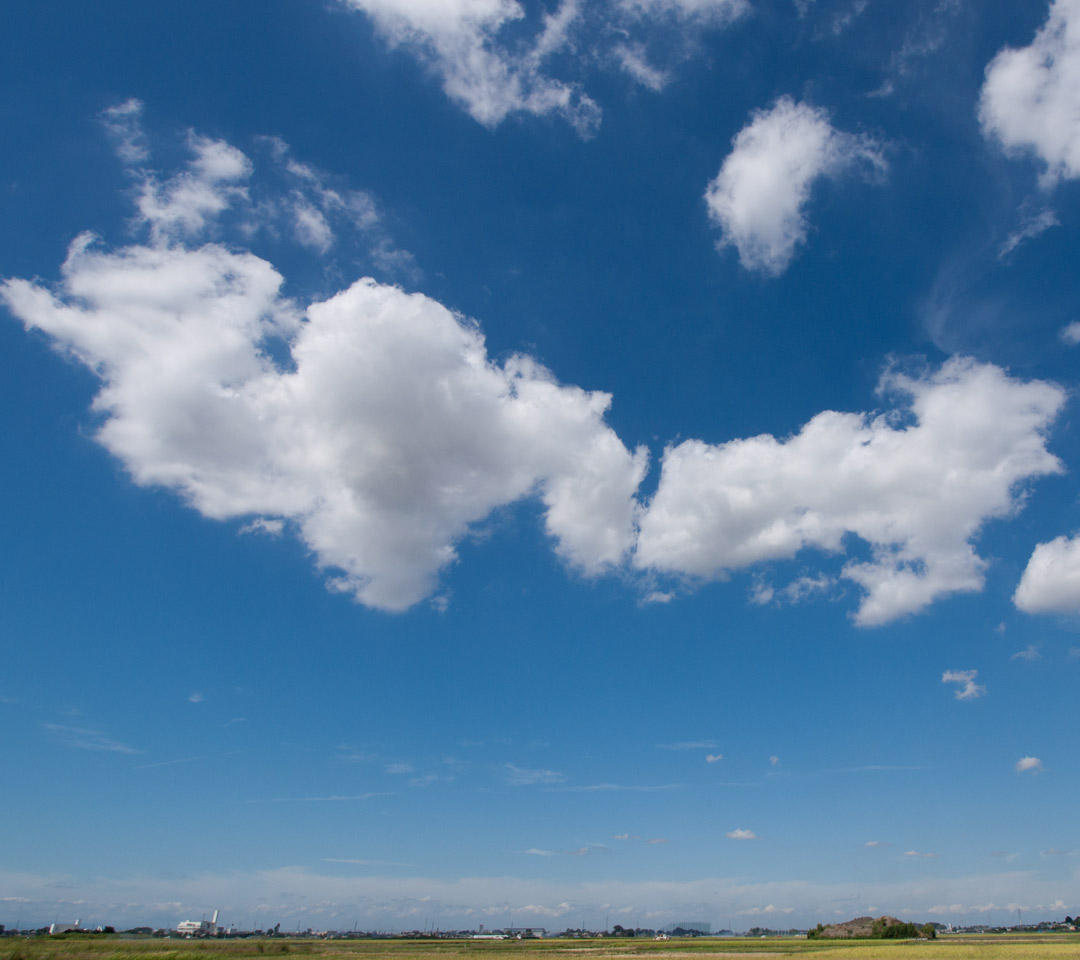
(1023, 947)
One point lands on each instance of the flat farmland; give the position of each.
(1003, 947)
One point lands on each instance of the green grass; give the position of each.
(1026, 947)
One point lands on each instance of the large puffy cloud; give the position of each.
(916, 493)
(1051, 580)
(388, 435)
(374, 425)
(758, 198)
(1031, 98)
(382, 436)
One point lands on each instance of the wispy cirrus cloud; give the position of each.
(364, 863)
(1034, 225)
(332, 798)
(525, 776)
(169, 763)
(583, 851)
(618, 788)
(683, 745)
(498, 58)
(86, 738)
(1029, 654)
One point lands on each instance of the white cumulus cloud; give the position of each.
(967, 688)
(1029, 765)
(1051, 580)
(374, 426)
(459, 39)
(1031, 97)
(384, 433)
(497, 58)
(759, 197)
(915, 492)
(741, 834)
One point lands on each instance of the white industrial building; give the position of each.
(198, 928)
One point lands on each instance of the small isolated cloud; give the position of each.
(769, 909)
(1051, 581)
(122, 122)
(759, 197)
(690, 745)
(1071, 334)
(1030, 101)
(658, 840)
(588, 850)
(874, 844)
(967, 688)
(713, 757)
(626, 836)
(427, 779)
(741, 834)
(921, 855)
(523, 776)
(1029, 654)
(774, 761)
(196, 697)
(536, 852)
(1029, 765)
(400, 767)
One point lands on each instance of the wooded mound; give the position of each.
(870, 928)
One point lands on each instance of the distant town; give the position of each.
(212, 928)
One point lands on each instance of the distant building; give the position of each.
(64, 927)
(688, 928)
(198, 928)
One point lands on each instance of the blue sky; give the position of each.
(539, 463)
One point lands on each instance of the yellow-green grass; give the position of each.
(1001, 947)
